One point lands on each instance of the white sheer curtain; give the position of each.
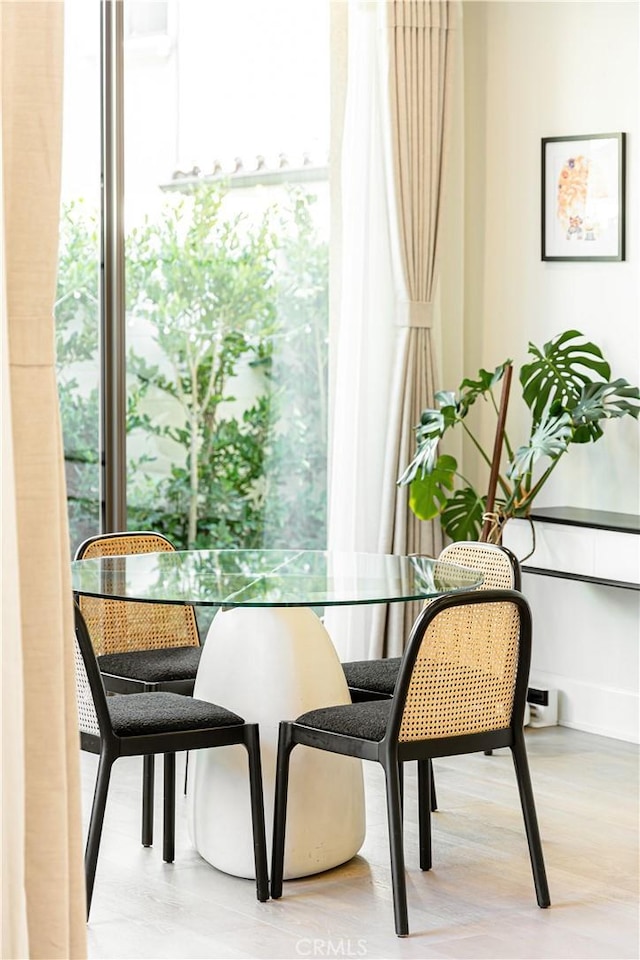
(364, 339)
(402, 78)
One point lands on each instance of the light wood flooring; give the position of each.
(478, 901)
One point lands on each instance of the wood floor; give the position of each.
(477, 902)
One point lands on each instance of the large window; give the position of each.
(226, 267)
(77, 299)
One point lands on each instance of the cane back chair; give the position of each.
(376, 679)
(151, 723)
(373, 679)
(461, 688)
(141, 647)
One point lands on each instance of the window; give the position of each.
(77, 297)
(226, 266)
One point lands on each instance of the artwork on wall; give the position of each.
(583, 197)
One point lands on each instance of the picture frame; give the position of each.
(583, 197)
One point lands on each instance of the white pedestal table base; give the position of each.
(269, 664)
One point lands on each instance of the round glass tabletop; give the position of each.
(268, 578)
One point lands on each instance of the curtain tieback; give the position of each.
(414, 313)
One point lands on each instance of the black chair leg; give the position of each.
(186, 772)
(148, 783)
(521, 765)
(148, 772)
(257, 812)
(285, 745)
(425, 781)
(433, 798)
(95, 824)
(422, 779)
(394, 819)
(169, 809)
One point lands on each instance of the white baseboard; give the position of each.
(605, 711)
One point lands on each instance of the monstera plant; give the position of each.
(570, 395)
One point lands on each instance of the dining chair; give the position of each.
(156, 723)
(373, 679)
(376, 679)
(461, 688)
(141, 647)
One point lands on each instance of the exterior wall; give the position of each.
(535, 70)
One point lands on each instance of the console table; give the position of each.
(583, 584)
(595, 546)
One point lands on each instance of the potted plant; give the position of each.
(569, 392)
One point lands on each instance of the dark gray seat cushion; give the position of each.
(377, 675)
(365, 720)
(153, 666)
(138, 714)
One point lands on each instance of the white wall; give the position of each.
(535, 70)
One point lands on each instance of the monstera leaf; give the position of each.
(430, 491)
(470, 390)
(602, 401)
(560, 372)
(462, 516)
(426, 454)
(433, 425)
(550, 439)
(446, 400)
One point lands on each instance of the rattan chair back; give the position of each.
(118, 626)
(500, 567)
(87, 714)
(459, 677)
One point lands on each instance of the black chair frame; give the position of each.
(109, 746)
(117, 684)
(426, 780)
(391, 754)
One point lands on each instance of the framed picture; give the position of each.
(583, 197)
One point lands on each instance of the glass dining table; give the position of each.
(268, 657)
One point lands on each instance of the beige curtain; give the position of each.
(43, 885)
(421, 76)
